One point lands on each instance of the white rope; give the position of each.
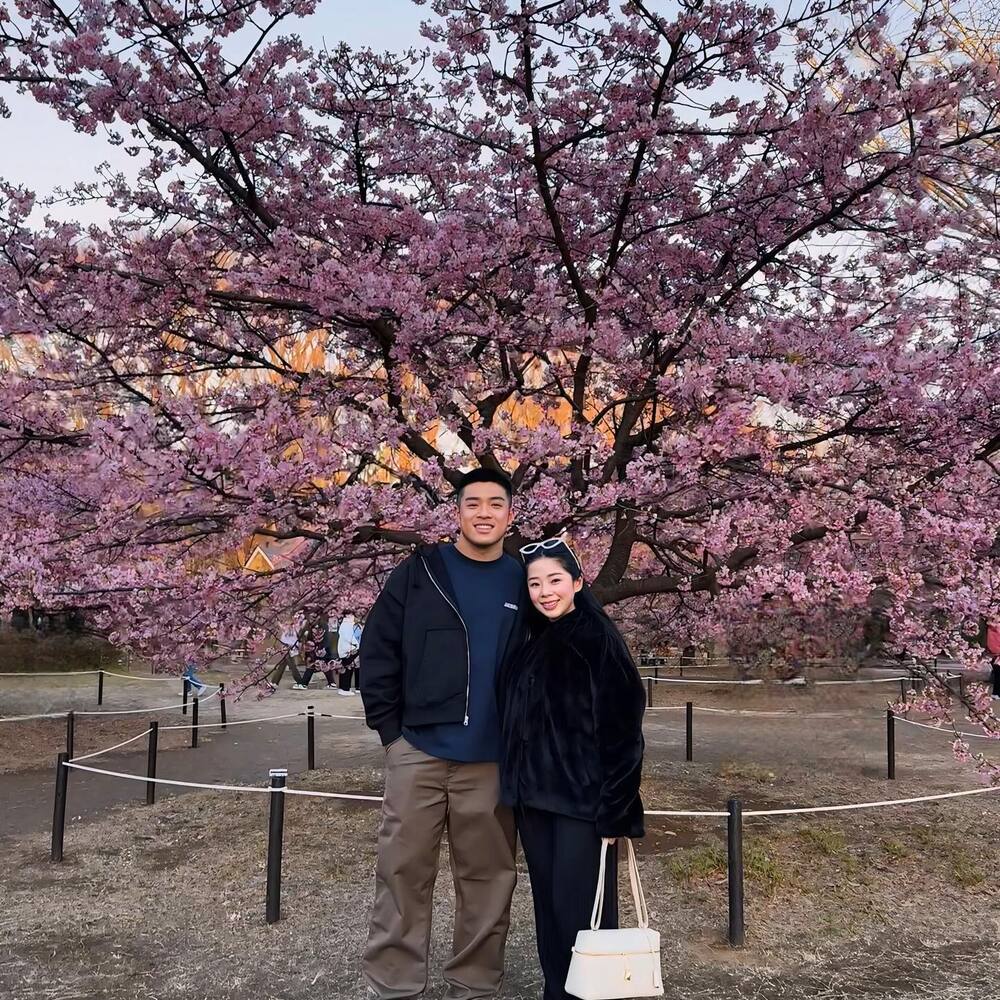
(168, 781)
(687, 680)
(97, 753)
(330, 795)
(800, 715)
(139, 677)
(868, 680)
(871, 805)
(793, 681)
(226, 788)
(86, 673)
(43, 715)
(161, 708)
(649, 812)
(241, 722)
(939, 729)
(746, 711)
(266, 718)
(49, 673)
(683, 812)
(739, 711)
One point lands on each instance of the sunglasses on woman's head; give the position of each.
(549, 543)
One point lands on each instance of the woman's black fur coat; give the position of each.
(571, 704)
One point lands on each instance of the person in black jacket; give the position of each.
(430, 654)
(571, 704)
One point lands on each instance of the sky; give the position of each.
(41, 152)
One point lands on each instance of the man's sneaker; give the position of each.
(298, 687)
(344, 694)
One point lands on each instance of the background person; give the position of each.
(289, 638)
(348, 645)
(319, 653)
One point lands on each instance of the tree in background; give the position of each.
(686, 275)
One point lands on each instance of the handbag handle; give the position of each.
(638, 897)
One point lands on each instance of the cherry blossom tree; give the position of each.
(684, 270)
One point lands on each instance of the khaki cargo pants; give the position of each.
(423, 796)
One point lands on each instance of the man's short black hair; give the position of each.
(486, 476)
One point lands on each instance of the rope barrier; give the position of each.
(241, 722)
(747, 711)
(167, 781)
(27, 718)
(50, 673)
(673, 813)
(139, 677)
(123, 711)
(225, 788)
(870, 805)
(793, 681)
(140, 711)
(688, 680)
(266, 718)
(800, 715)
(218, 725)
(87, 673)
(97, 753)
(940, 729)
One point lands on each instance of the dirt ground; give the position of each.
(168, 901)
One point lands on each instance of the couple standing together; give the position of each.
(508, 705)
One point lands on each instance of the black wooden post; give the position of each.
(222, 704)
(649, 691)
(100, 687)
(275, 829)
(59, 807)
(311, 738)
(184, 705)
(70, 733)
(194, 723)
(154, 738)
(890, 743)
(734, 839)
(689, 731)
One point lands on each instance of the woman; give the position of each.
(571, 705)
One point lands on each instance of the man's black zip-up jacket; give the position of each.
(414, 649)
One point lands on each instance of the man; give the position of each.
(290, 640)
(429, 656)
(320, 648)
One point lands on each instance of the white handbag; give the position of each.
(616, 964)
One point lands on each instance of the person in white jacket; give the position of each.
(348, 643)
